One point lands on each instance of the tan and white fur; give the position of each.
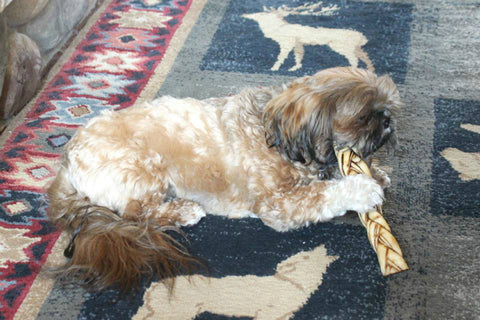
(129, 177)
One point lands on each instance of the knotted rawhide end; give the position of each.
(379, 234)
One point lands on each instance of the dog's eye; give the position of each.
(386, 122)
(361, 119)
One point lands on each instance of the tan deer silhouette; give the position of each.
(260, 297)
(294, 37)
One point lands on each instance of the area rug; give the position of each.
(134, 50)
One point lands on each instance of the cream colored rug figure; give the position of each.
(293, 37)
(269, 297)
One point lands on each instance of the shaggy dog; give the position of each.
(130, 177)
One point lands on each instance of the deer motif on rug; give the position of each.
(345, 42)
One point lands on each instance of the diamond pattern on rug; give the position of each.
(13, 244)
(115, 62)
(56, 141)
(76, 110)
(16, 207)
(20, 207)
(128, 39)
(107, 70)
(145, 20)
(41, 172)
(99, 85)
(35, 173)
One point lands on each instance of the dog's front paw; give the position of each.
(381, 176)
(352, 193)
(192, 213)
(364, 193)
(182, 212)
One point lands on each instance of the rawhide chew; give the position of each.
(379, 233)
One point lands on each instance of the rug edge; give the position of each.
(30, 306)
(33, 301)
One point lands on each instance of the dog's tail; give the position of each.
(107, 249)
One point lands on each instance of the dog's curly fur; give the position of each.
(130, 176)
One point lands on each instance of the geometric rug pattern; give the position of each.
(107, 70)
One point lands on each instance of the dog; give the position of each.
(130, 179)
(294, 282)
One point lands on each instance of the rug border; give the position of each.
(163, 69)
(42, 285)
(31, 303)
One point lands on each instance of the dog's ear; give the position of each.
(298, 122)
(388, 94)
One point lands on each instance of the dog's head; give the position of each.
(346, 106)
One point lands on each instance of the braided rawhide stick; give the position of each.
(379, 233)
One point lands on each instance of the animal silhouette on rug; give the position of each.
(277, 296)
(294, 37)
